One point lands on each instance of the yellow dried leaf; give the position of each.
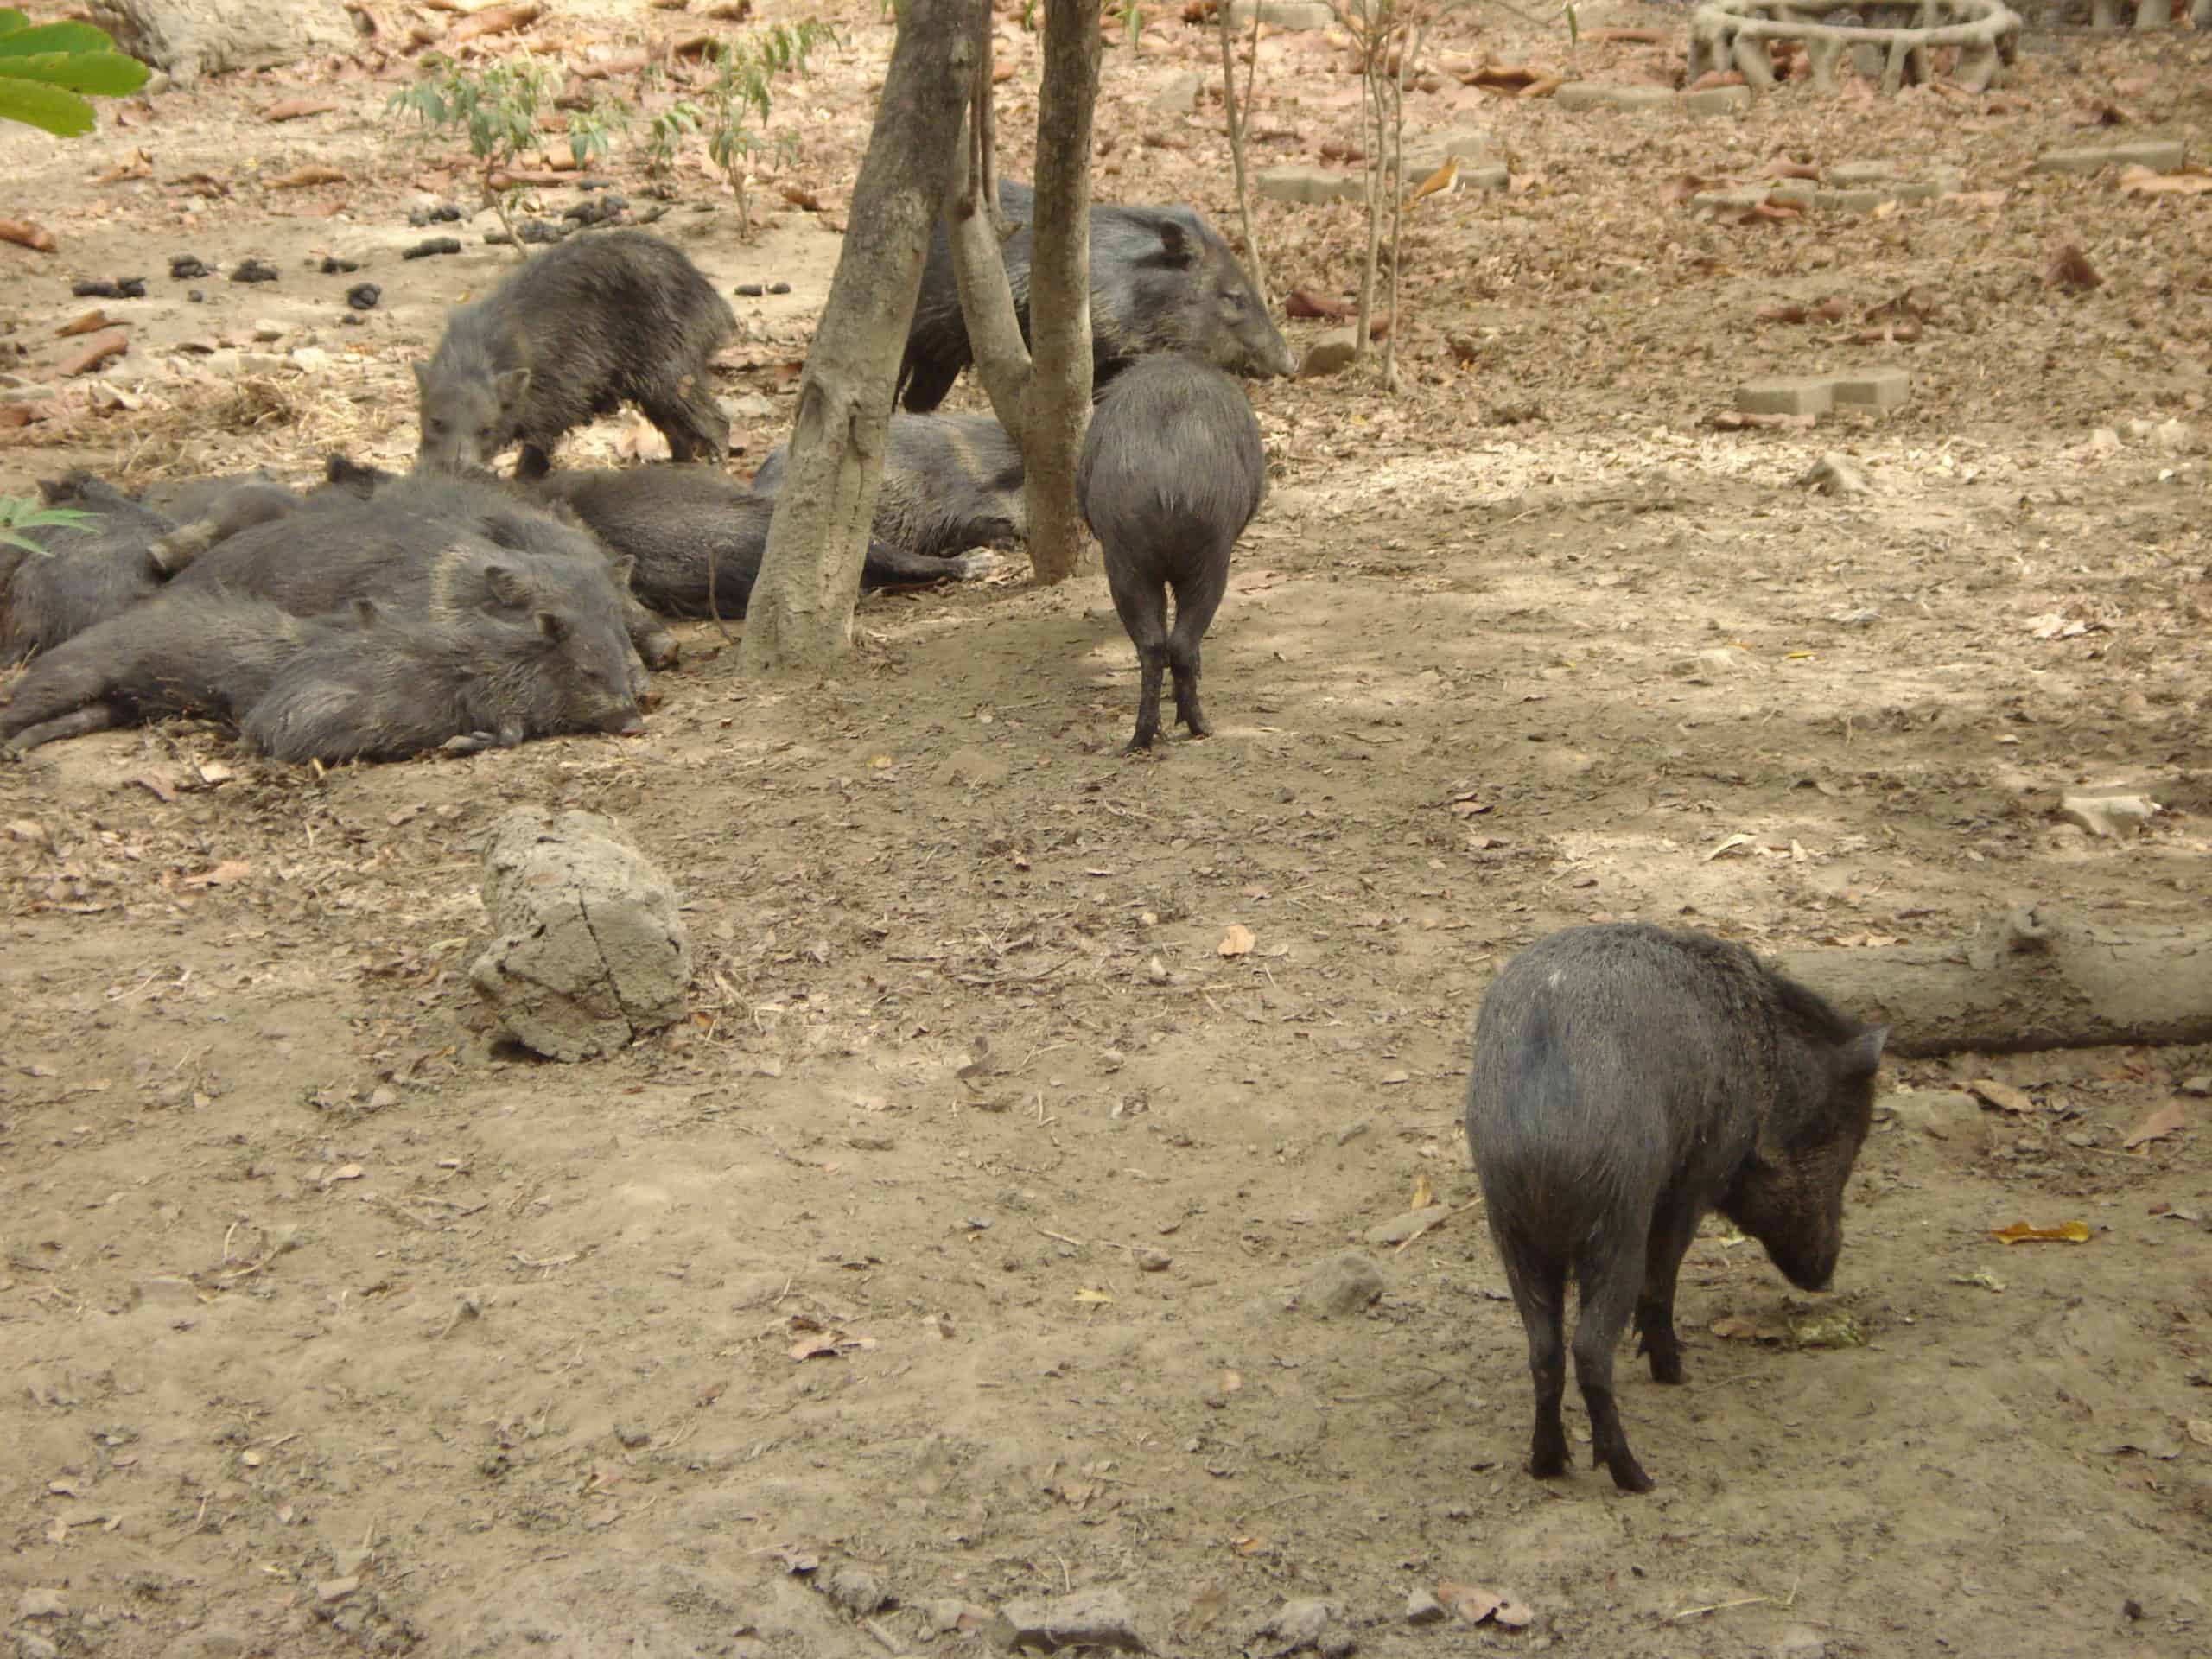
(1424, 1195)
(1237, 942)
(2200, 1430)
(2003, 1096)
(2163, 1121)
(2072, 1232)
(1098, 1298)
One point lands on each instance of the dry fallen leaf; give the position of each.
(2070, 269)
(90, 322)
(2072, 1232)
(2200, 1430)
(1237, 942)
(291, 108)
(2142, 181)
(313, 173)
(1096, 1298)
(230, 870)
(25, 234)
(2165, 1121)
(2003, 1096)
(1424, 1195)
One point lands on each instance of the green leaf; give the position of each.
(11, 20)
(54, 37)
(109, 74)
(50, 108)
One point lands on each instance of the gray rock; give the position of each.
(190, 38)
(954, 1617)
(1310, 185)
(1088, 1618)
(588, 953)
(1180, 96)
(1344, 1284)
(1941, 1113)
(30, 1645)
(1412, 1224)
(38, 1602)
(2200, 1085)
(1799, 1643)
(852, 1587)
(1330, 354)
(1422, 1608)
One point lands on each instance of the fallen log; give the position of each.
(2028, 979)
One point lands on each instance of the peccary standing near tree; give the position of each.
(438, 543)
(1627, 1079)
(181, 652)
(680, 523)
(88, 573)
(950, 482)
(1172, 471)
(567, 336)
(1161, 281)
(435, 682)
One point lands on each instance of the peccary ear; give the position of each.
(1862, 1056)
(621, 569)
(506, 585)
(510, 386)
(554, 625)
(1176, 244)
(365, 612)
(421, 374)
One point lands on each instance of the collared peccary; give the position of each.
(435, 542)
(680, 523)
(1172, 471)
(88, 573)
(950, 482)
(569, 335)
(180, 653)
(1627, 1079)
(430, 682)
(184, 499)
(249, 502)
(1161, 279)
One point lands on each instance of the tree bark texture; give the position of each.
(2026, 980)
(801, 612)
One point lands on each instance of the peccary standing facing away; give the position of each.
(88, 572)
(428, 682)
(1161, 279)
(950, 482)
(1628, 1079)
(569, 335)
(1172, 471)
(181, 652)
(679, 524)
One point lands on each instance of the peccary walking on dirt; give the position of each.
(678, 524)
(569, 335)
(1627, 1079)
(424, 683)
(181, 652)
(1161, 279)
(950, 482)
(1172, 471)
(88, 572)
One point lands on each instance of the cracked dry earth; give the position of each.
(333, 1326)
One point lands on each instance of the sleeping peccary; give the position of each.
(1161, 279)
(87, 572)
(678, 523)
(950, 482)
(1172, 471)
(569, 335)
(1626, 1080)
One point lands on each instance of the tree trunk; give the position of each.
(1058, 406)
(2025, 980)
(801, 612)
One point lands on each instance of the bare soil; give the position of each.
(331, 1325)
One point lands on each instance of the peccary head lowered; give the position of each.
(1186, 294)
(472, 394)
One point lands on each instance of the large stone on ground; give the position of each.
(588, 952)
(190, 38)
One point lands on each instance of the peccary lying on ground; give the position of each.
(242, 505)
(181, 653)
(183, 500)
(679, 523)
(88, 573)
(1161, 279)
(1626, 1080)
(950, 482)
(569, 335)
(1172, 471)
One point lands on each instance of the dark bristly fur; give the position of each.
(1628, 1079)
(1172, 471)
(89, 572)
(1161, 281)
(616, 317)
(677, 522)
(243, 505)
(950, 482)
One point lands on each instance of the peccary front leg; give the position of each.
(1195, 603)
(1142, 603)
(1609, 1270)
(1673, 1224)
(695, 425)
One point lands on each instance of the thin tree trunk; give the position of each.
(1254, 265)
(1371, 102)
(1397, 201)
(1057, 407)
(801, 614)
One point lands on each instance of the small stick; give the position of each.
(888, 1642)
(1064, 1238)
(1717, 1607)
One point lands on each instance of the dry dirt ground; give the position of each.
(329, 1324)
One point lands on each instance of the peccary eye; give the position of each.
(438, 429)
(484, 432)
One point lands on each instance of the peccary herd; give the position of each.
(378, 614)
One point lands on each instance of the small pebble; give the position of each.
(1152, 1261)
(254, 271)
(363, 296)
(1422, 1608)
(631, 1437)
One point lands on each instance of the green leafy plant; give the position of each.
(498, 108)
(667, 130)
(43, 70)
(738, 102)
(591, 132)
(17, 514)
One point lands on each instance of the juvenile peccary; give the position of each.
(184, 499)
(390, 691)
(250, 501)
(680, 523)
(950, 482)
(179, 653)
(1172, 471)
(88, 573)
(1161, 279)
(1626, 1080)
(437, 542)
(569, 335)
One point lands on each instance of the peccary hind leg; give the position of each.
(1539, 1292)
(1610, 1271)
(1673, 1224)
(92, 717)
(1195, 603)
(1142, 603)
